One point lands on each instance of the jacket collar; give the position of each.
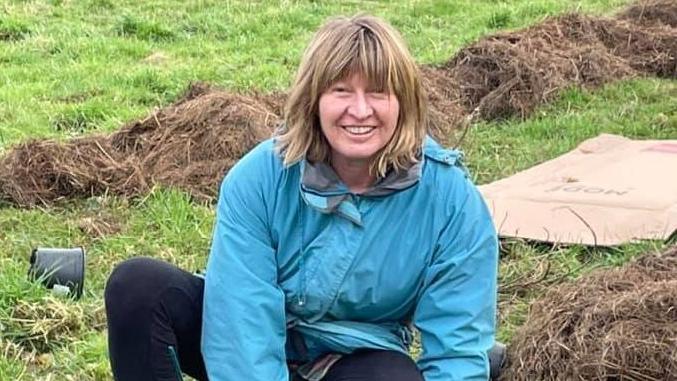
(322, 189)
(321, 179)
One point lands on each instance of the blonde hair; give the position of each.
(341, 47)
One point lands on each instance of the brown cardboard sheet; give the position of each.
(608, 191)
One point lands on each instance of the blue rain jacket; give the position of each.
(295, 251)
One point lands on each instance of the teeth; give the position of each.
(359, 130)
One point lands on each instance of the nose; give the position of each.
(360, 107)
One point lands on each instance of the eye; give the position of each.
(378, 94)
(339, 88)
(377, 91)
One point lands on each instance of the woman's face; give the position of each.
(356, 120)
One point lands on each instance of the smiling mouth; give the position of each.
(359, 130)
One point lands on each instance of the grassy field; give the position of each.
(70, 68)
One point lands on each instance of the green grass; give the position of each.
(69, 68)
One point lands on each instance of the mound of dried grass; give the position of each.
(44, 171)
(193, 143)
(445, 113)
(650, 12)
(190, 144)
(618, 324)
(511, 73)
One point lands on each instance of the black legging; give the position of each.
(152, 305)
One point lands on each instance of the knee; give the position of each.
(132, 282)
(376, 365)
(395, 366)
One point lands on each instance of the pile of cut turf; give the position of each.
(618, 324)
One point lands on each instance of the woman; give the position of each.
(331, 241)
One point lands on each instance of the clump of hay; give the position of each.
(618, 324)
(649, 13)
(190, 144)
(649, 50)
(193, 143)
(511, 73)
(44, 171)
(445, 114)
(37, 327)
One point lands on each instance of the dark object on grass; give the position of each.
(62, 270)
(617, 324)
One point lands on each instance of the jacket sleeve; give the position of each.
(456, 310)
(243, 331)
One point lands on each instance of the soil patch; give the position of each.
(610, 325)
